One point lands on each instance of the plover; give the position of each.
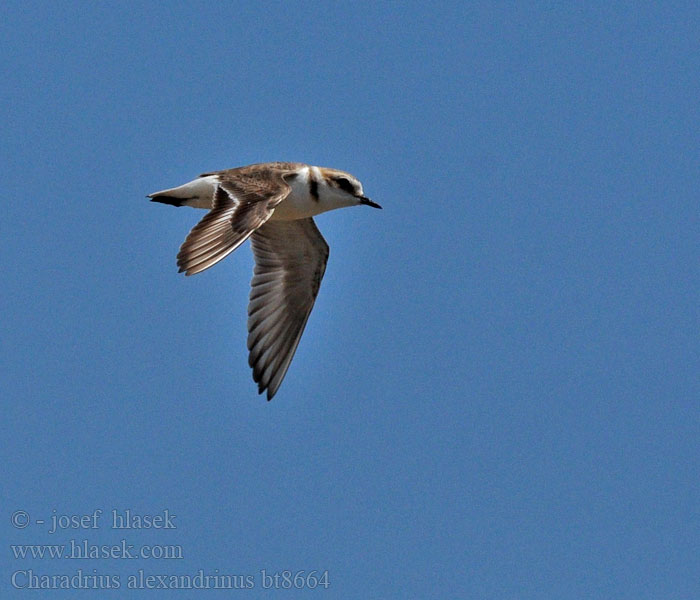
(273, 205)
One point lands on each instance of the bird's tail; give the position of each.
(198, 193)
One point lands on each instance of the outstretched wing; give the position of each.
(290, 260)
(241, 205)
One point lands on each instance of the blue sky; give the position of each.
(496, 395)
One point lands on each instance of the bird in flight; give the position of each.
(273, 205)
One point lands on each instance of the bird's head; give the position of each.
(341, 189)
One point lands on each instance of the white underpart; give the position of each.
(299, 204)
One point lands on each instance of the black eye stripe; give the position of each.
(345, 185)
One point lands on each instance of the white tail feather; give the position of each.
(198, 193)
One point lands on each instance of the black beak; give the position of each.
(368, 202)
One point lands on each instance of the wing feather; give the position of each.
(243, 201)
(290, 260)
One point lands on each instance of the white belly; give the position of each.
(293, 207)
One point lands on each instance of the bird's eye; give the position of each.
(345, 185)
